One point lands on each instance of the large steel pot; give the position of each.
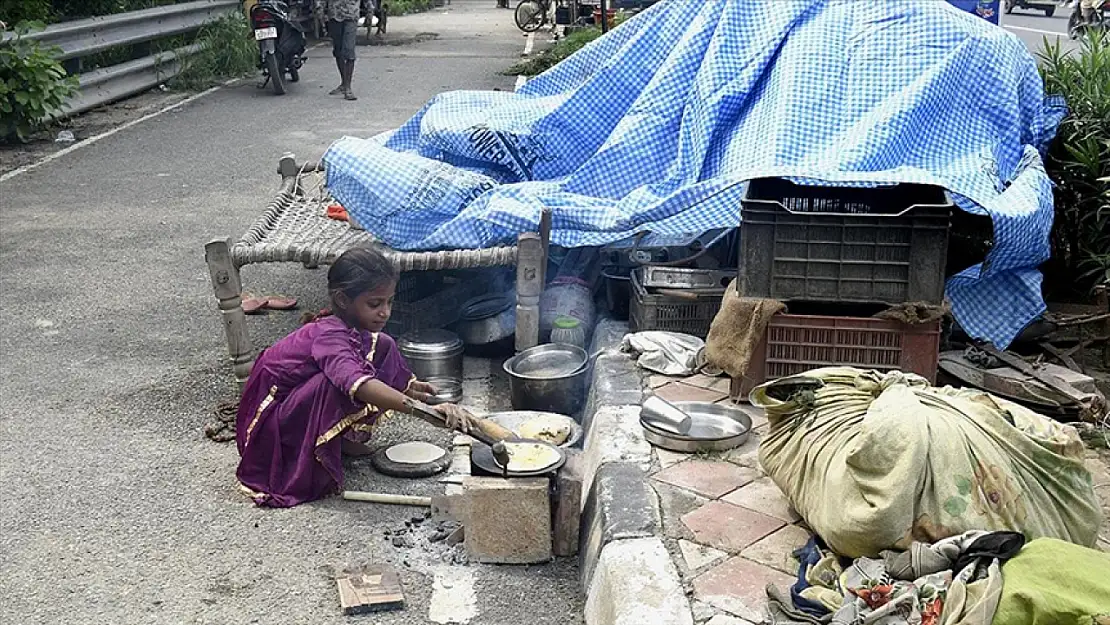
(433, 354)
(549, 378)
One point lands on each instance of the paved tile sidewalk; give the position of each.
(728, 527)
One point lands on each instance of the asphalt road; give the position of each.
(1034, 28)
(115, 509)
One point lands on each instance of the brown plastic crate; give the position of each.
(651, 311)
(795, 344)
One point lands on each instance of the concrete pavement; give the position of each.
(115, 508)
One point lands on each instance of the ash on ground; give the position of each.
(424, 543)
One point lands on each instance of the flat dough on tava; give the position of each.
(415, 452)
(547, 429)
(528, 457)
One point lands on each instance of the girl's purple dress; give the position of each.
(299, 401)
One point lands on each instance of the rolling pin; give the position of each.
(387, 498)
(483, 430)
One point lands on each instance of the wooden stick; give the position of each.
(387, 498)
(545, 238)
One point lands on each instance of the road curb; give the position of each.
(626, 573)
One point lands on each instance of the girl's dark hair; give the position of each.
(357, 271)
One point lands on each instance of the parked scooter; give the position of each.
(1077, 26)
(281, 43)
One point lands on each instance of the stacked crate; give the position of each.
(828, 248)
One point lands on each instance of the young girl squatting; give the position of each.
(318, 392)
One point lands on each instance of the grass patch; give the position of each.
(406, 7)
(229, 51)
(555, 54)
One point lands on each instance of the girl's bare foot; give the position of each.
(351, 448)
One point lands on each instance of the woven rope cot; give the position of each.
(295, 227)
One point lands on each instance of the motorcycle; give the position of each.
(281, 43)
(1076, 25)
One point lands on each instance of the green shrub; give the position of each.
(228, 51)
(405, 7)
(562, 49)
(1079, 164)
(33, 85)
(552, 56)
(13, 12)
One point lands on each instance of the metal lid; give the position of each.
(431, 342)
(485, 306)
(566, 323)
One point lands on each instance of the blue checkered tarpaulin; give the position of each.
(656, 126)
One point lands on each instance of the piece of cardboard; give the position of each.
(370, 589)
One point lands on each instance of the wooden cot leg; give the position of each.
(531, 270)
(229, 291)
(529, 287)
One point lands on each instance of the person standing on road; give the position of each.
(1087, 11)
(342, 16)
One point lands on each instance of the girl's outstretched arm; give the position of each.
(377, 393)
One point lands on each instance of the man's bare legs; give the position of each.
(339, 63)
(347, 93)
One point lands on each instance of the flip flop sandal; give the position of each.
(280, 303)
(337, 212)
(254, 305)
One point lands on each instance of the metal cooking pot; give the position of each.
(433, 354)
(549, 378)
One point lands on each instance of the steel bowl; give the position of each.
(713, 427)
(448, 391)
(549, 378)
(487, 319)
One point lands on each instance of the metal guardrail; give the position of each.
(85, 37)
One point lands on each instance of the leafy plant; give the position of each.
(406, 7)
(1079, 163)
(33, 85)
(228, 50)
(15, 11)
(565, 47)
(554, 55)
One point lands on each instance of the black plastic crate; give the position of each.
(652, 311)
(843, 244)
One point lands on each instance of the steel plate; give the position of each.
(713, 427)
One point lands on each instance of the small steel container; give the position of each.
(433, 354)
(448, 391)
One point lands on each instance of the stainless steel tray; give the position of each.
(676, 278)
(713, 427)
